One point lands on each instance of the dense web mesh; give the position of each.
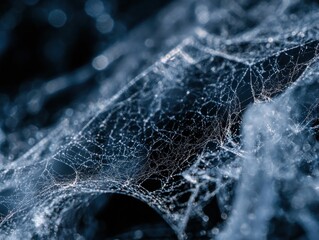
(227, 119)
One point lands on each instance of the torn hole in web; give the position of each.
(109, 216)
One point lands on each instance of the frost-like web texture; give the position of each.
(227, 119)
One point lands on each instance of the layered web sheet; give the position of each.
(216, 131)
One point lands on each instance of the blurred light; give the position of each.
(56, 85)
(57, 18)
(149, 43)
(104, 23)
(94, 8)
(100, 62)
(138, 234)
(202, 14)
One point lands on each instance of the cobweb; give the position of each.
(228, 116)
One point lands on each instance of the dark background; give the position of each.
(31, 49)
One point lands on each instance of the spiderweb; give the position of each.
(227, 117)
